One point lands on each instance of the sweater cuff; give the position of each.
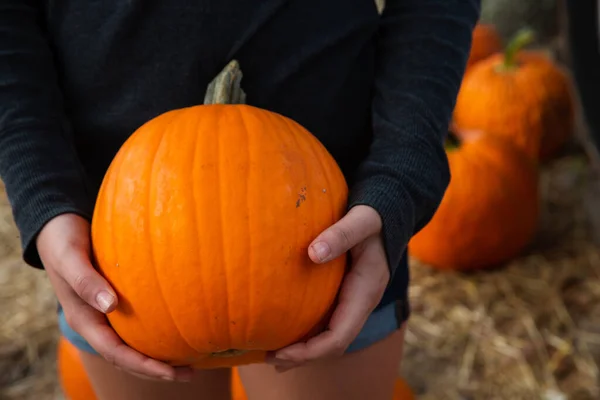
(396, 209)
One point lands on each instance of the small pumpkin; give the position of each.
(401, 389)
(484, 43)
(489, 213)
(71, 373)
(202, 226)
(520, 94)
(237, 387)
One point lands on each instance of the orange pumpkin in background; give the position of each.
(202, 226)
(71, 373)
(485, 42)
(237, 387)
(489, 213)
(522, 95)
(401, 389)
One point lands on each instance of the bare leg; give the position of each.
(366, 374)
(112, 384)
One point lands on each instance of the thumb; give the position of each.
(64, 248)
(77, 270)
(357, 225)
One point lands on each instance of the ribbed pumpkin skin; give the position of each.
(202, 226)
(485, 42)
(532, 105)
(71, 373)
(489, 212)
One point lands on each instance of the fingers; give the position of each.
(358, 224)
(77, 271)
(64, 247)
(93, 326)
(361, 291)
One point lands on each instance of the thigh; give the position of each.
(111, 384)
(368, 373)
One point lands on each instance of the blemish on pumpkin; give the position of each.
(301, 197)
(324, 190)
(228, 353)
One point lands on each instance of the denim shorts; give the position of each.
(384, 321)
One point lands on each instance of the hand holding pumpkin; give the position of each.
(64, 248)
(360, 233)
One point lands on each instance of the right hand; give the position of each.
(85, 296)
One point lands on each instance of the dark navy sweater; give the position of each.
(78, 77)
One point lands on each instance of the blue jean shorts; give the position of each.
(384, 321)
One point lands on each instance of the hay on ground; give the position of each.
(530, 330)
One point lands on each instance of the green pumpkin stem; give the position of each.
(521, 39)
(226, 87)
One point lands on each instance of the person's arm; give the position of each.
(423, 47)
(38, 162)
(47, 188)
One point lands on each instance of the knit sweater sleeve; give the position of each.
(38, 162)
(423, 47)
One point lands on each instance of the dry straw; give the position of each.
(530, 330)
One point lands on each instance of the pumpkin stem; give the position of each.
(226, 87)
(521, 39)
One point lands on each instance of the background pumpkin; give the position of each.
(237, 387)
(489, 212)
(485, 42)
(71, 374)
(402, 391)
(522, 95)
(202, 226)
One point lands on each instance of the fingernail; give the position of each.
(105, 300)
(283, 357)
(168, 378)
(322, 250)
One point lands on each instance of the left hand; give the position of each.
(359, 232)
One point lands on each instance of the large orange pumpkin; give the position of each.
(485, 42)
(71, 373)
(489, 212)
(522, 95)
(202, 226)
(401, 389)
